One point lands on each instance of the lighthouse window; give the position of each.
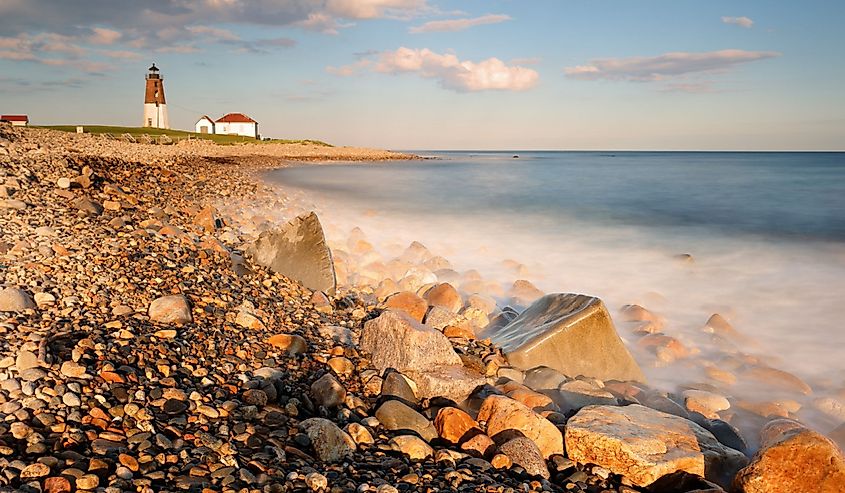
(156, 93)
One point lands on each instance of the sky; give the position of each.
(432, 74)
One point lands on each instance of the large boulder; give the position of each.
(793, 458)
(298, 250)
(452, 382)
(645, 445)
(395, 340)
(571, 333)
(506, 419)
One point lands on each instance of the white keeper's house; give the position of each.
(230, 124)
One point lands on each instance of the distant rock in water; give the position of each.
(298, 250)
(571, 333)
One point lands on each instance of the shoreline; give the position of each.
(155, 213)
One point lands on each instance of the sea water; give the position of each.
(765, 235)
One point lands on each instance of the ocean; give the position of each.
(756, 237)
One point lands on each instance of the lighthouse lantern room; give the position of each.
(155, 108)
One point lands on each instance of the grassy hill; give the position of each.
(138, 134)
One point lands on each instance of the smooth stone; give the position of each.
(570, 333)
(479, 445)
(524, 453)
(316, 481)
(395, 340)
(330, 442)
(542, 378)
(15, 300)
(577, 394)
(409, 303)
(298, 250)
(26, 360)
(793, 458)
(290, 343)
(359, 433)
(412, 446)
(173, 309)
(506, 418)
(396, 386)
(644, 445)
(708, 404)
(328, 391)
(455, 426)
(395, 415)
(445, 296)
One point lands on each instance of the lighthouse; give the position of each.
(155, 109)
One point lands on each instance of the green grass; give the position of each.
(175, 135)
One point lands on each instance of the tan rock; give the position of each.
(577, 394)
(479, 445)
(453, 382)
(791, 459)
(779, 379)
(506, 418)
(341, 365)
(460, 331)
(171, 309)
(501, 461)
(395, 340)
(328, 391)
(292, 344)
(644, 445)
(206, 219)
(708, 404)
(446, 296)
(413, 446)
(534, 400)
(359, 433)
(330, 442)
(409, 303)
(455, 426)
(570, 333)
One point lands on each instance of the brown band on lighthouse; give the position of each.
(155, 92)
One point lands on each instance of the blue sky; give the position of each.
(429, 74)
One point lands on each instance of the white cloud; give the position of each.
(459, 24)
(448, 69)
(213, 33)
(103, 36)
(373, 9)
(666, 66)
(739, 21)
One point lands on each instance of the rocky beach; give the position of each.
(172, 322)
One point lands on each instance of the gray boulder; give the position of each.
(525, 453)
(298, 250)
(395, 340)
(571, 333)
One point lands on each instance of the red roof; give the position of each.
(236, 118)
(15, 118)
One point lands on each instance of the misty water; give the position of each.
(766, 232)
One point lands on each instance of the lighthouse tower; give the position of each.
(155, 109)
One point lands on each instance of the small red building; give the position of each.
(16, 120)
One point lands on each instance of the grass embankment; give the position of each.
(138, 134)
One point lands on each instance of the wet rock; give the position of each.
(793, 458)
(577, 394)
(15, 300)
(506, 418)
(644, 445)
(173, 309)
(328, 391)
(395, 340)
(570, 333)
(708, 404)
(298, 250)
(524, 453)
(409, 303)
(330, 442)
(395, 416)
